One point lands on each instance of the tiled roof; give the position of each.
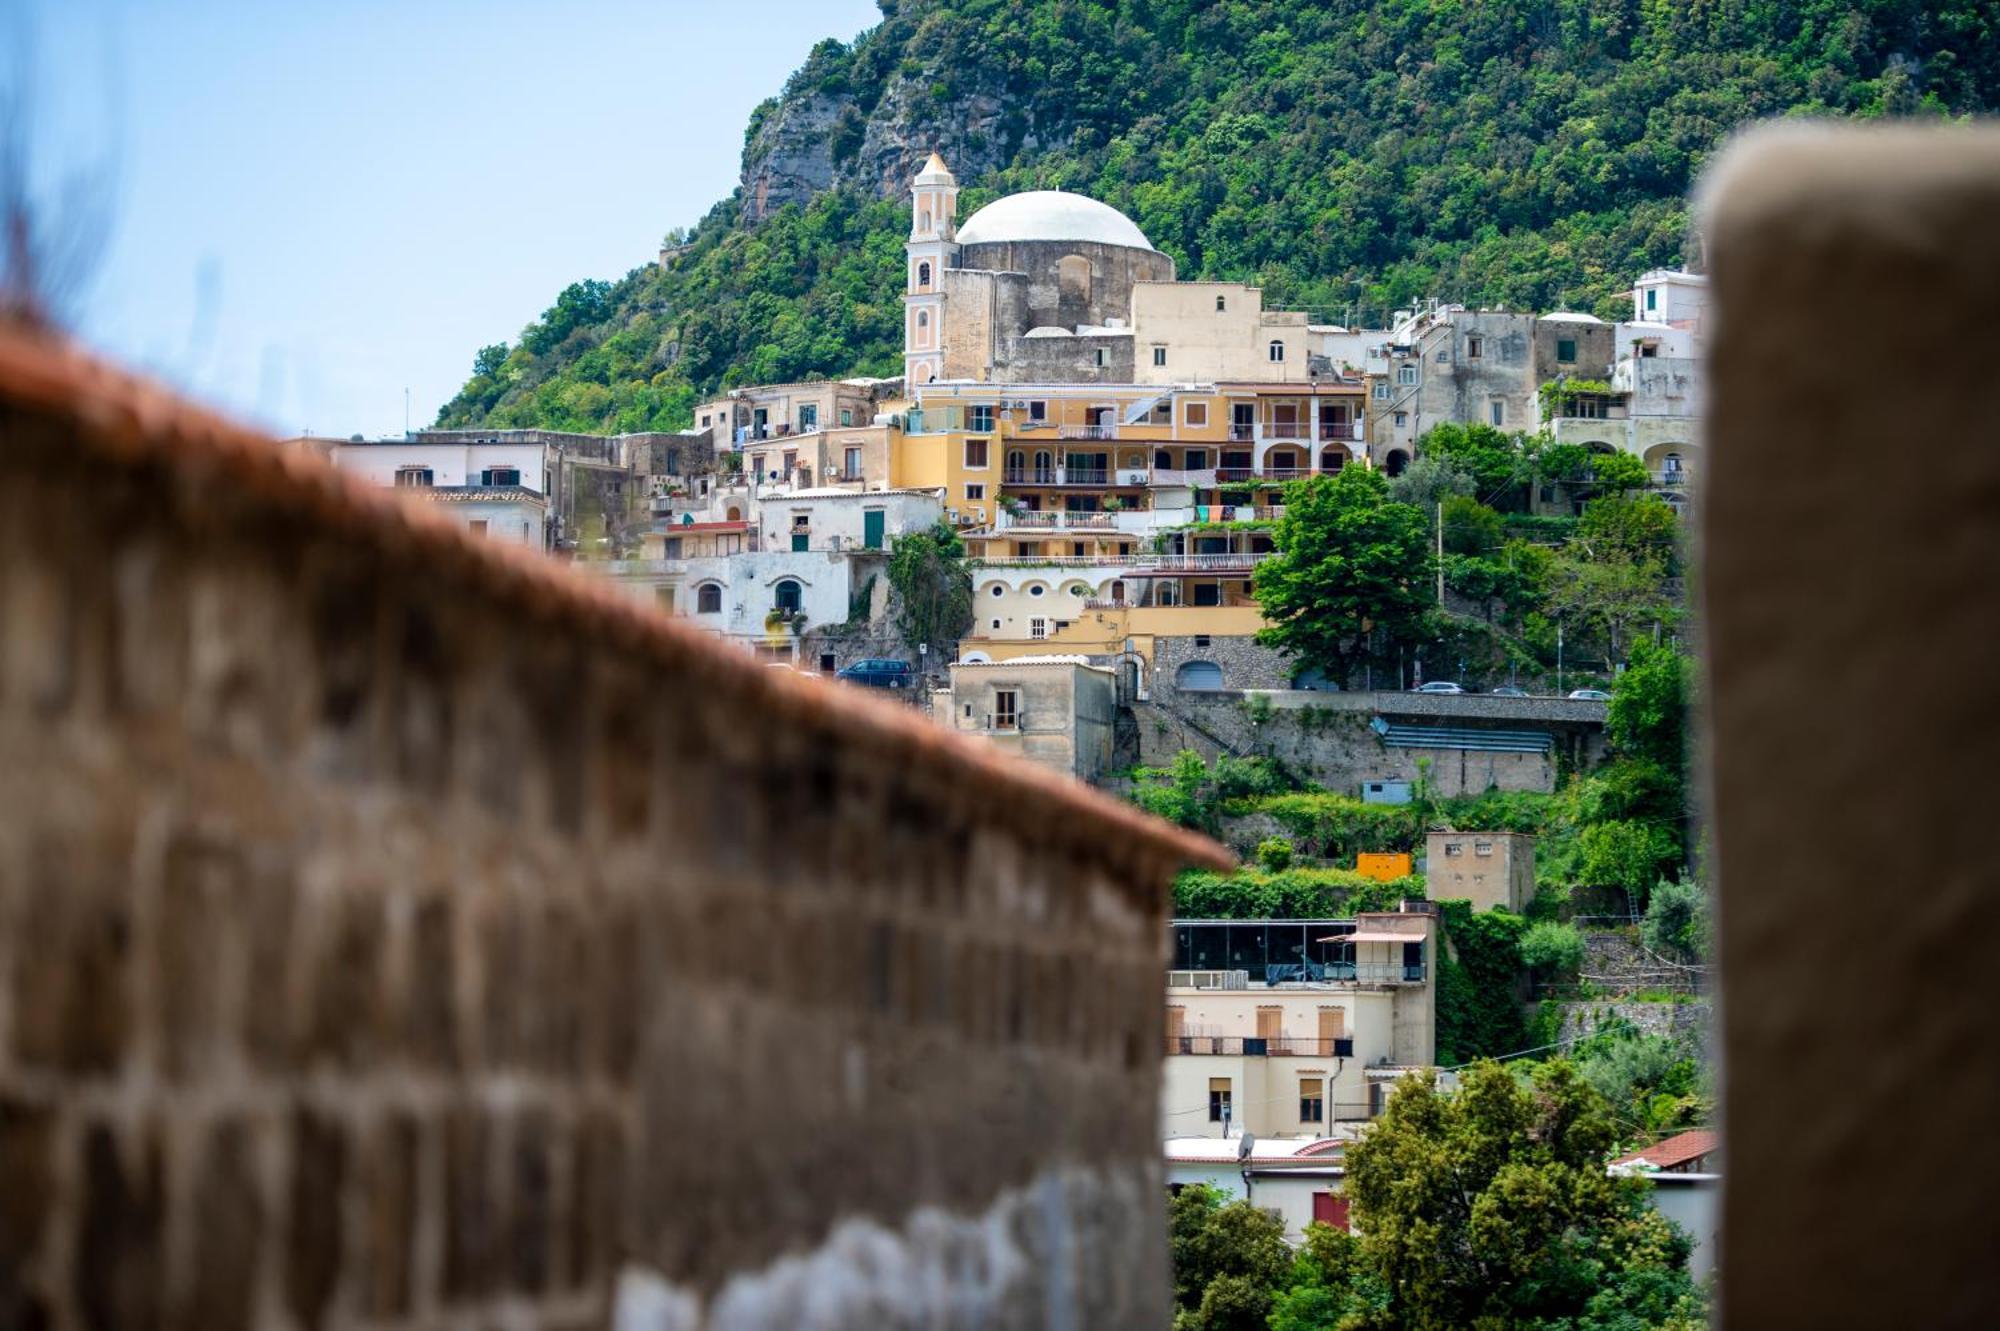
(128, 421)
(1676, 1150)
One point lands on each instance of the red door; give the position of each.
(1330, 1209)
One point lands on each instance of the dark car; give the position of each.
(879, 672)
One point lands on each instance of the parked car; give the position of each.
(1439, 686)
(878, 672)
(1509, 691)
(1590, 695)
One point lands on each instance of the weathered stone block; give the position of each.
(314, 1247)
(117, 1272)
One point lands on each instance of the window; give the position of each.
(847, 415)
(1208, 593)
(1382, 391)
(975, 492)
(808, 418)
(852, 467)
(923, 318)
(1566, 350)
(1312, 1100)
(1652, 298)
(975, 451)
(996, 623)
(1218, 1087)
(1406, 375)
(500, 476)
(1159, 355)
(1201, 640)
(1452, 851)
(1649, 351)
(1103, 357)
(1221, 304)
(1035, 589)
(1197, 459)
(413, 477)
(708, 599)
(981, 420)
(1276, 351)
(1330, 1209)
(664, 598)
(1332, 1027)
(1402, 418)
(1197, 415)
(923, 275)
(1482, 848)
(1078, 589)
(477, 526)
(1006, 709)
(788, 595)
(1496, 411)
(1038, 628)
(1038, 411)
(1198, 677)
(998, 591)
(1473, 347)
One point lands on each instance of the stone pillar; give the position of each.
(1850, 577)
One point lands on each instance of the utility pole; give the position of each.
(1559, 656)
(1440, 553)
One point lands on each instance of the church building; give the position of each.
(1033, 288)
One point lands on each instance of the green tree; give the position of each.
(1676, 923)
(1615, 473)
(1431, 480)
(1491, 1206)
(1228, 1258)
(1552, 948)
(490, 359)
(1641, 526)
(1647, 717)
(1348, 563)
(1606, 597)
(1471, 528)
(932, 588)
(1499, 463)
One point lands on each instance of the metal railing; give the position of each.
(1169, 563)
(1261, 1046)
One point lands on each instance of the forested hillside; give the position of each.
(1350, 156)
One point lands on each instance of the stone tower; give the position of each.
(932, 248)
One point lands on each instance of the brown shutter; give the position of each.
(1332, 1026)
(1176, 1027)
(1269, 1019)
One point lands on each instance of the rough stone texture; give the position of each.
(1691, 1019)
(1615, 960)
(1328, 738)
(1856, 1012)
(400, 931)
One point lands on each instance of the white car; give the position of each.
(1440, 686)
(1590, 695)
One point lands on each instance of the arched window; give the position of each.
(924, 221)
(788, 595)
(924, 275)
(1671, 464)
(1277, 351)
(1045, 467)
(1396, 463)
(1198, 677)
(1332, 459)
(923, 318)
(708, 599)
(735, 514)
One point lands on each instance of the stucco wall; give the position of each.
(388, 942)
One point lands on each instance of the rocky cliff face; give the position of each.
(809, 139)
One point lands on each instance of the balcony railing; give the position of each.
(1340, 430)
(1242, 431)
(1164, 563)
(1200, 478)
(1052, 518)
(1087, 432)
(1078, 476)
(1261, 1046)
(1670, 479)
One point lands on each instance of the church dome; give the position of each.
(1049, 214)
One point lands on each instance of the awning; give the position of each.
(1372, 936)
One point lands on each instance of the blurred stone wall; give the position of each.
(397, 931)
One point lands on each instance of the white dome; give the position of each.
(1051, 214)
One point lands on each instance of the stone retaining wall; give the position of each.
(397, 931)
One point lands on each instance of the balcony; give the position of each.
(1137, 562)
(1671, 480)
(1200, 478)
(1066, 476)
(1053, 518)
(1086, 432)
(1242, 432)
(1260, 1046)
(1340, 431)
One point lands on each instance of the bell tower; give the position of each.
(932, 247)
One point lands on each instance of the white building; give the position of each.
(1288, 1028)
(496, 490)
(1673, 297)
(1301, 1181)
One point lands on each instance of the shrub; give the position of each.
(1552, 948)
(1676, 922)
(1274, 854)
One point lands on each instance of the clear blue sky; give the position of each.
(317, 205)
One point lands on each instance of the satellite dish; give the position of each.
(1244, 1146)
